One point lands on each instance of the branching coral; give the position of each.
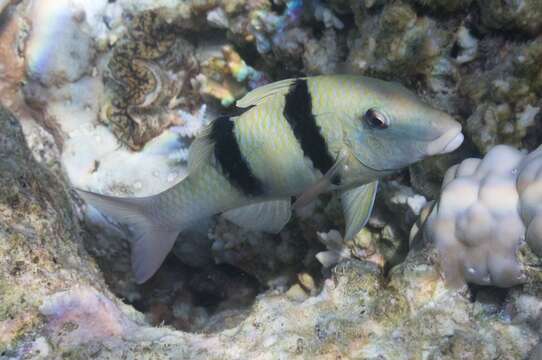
(282, 33)
(506, 95)
(399, 39)
(224, 76)
(268, 28)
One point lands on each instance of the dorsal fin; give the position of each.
(202, 148)
(258, 95)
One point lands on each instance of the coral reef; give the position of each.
(110, 94)
(522, 15)
(402, 41)
(506, 96)
(482, 77)
(67, 310)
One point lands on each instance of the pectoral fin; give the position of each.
(269, 216)
(357, 206)
(322, 185)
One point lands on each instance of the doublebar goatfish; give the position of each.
(294, 138)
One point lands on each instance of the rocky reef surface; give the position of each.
(108, 95)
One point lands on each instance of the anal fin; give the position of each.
(270, 216)
(150, 246)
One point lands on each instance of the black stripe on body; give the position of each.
(298, 113)
(229, 157)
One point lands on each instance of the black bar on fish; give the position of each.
(298, 113)
(232, 162)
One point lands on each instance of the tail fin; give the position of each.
(151, 241)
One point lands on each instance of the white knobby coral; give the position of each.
(529, 186)
(476, 226)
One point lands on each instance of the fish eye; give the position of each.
(376, 119)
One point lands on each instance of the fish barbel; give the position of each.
(294, 138)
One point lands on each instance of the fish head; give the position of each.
(392, 128)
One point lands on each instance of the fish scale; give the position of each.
(297, 137)
(201, 193)
(277, 159)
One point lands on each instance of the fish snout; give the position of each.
(450, 140)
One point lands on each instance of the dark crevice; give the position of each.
(183, 296)
(481, 294)
(278, 7)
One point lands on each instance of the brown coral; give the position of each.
(143, 79)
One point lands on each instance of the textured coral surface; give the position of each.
(481, 221)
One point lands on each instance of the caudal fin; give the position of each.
(151, 241)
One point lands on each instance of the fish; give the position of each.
(292, 139)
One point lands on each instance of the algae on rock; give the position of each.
(41, 243)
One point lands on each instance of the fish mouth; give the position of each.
(448, 142)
